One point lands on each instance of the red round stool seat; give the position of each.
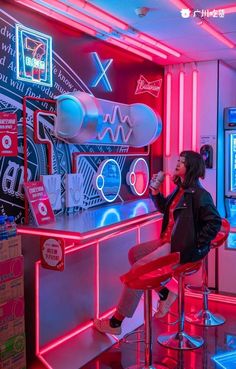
(153, 274)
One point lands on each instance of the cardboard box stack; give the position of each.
(12, 325)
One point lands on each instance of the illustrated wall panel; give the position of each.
(74, 69)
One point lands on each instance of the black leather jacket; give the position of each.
(197, 222)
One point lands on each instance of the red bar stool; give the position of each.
(153, 275)
(180, 340)
(205, 317)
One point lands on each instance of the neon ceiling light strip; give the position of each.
(194, 109)
(180, 4)
(129, 48)
(52, 14)
(156, 43)
(207, 27)
(71, 12)
(181, 111)
(227, 9)
(142, 46)
(97, 12)
(168, 113)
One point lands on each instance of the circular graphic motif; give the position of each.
(42, 208)
(6, 142)
(108, 180)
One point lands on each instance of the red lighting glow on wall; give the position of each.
(168, 114)
(181, 111)
(194, 110)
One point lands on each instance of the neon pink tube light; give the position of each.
(227, 9)
(194, 109)
(181, 111)
(180, 4)
(157, 44)
(66, 10)
(144, 47)
(129, 48)
(99, 13)
(52, 14)
(168, 114)
(206, 26)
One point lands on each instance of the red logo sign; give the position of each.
(143, 85)
(39, 202)
(52, 252)
(8, 134)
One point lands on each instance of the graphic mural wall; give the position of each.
(80, 64)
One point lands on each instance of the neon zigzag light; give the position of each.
(119, 130)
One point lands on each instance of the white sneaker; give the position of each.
(164, 305)
(103, 326)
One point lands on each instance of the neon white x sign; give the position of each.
(102, 70)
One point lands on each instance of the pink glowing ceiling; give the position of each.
(207, 34)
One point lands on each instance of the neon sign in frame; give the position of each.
(33, 56)
(107, 180)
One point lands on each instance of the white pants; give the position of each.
(140, 255)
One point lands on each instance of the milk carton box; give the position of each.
(11, 319)
(10, 248)
(11, 279)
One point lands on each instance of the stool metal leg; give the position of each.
(205, 317)
(148, 335)
(180, 340)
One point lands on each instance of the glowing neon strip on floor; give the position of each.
(226, 360)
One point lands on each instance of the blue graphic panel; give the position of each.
(33, 56)
(232, 169)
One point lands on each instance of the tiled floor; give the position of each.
(218, 341)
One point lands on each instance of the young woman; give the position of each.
(190, 222)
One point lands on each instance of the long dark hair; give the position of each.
(195, 168)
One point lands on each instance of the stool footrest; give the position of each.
(180, 341)
(153, 366)
(205, 318)
(202, 290)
